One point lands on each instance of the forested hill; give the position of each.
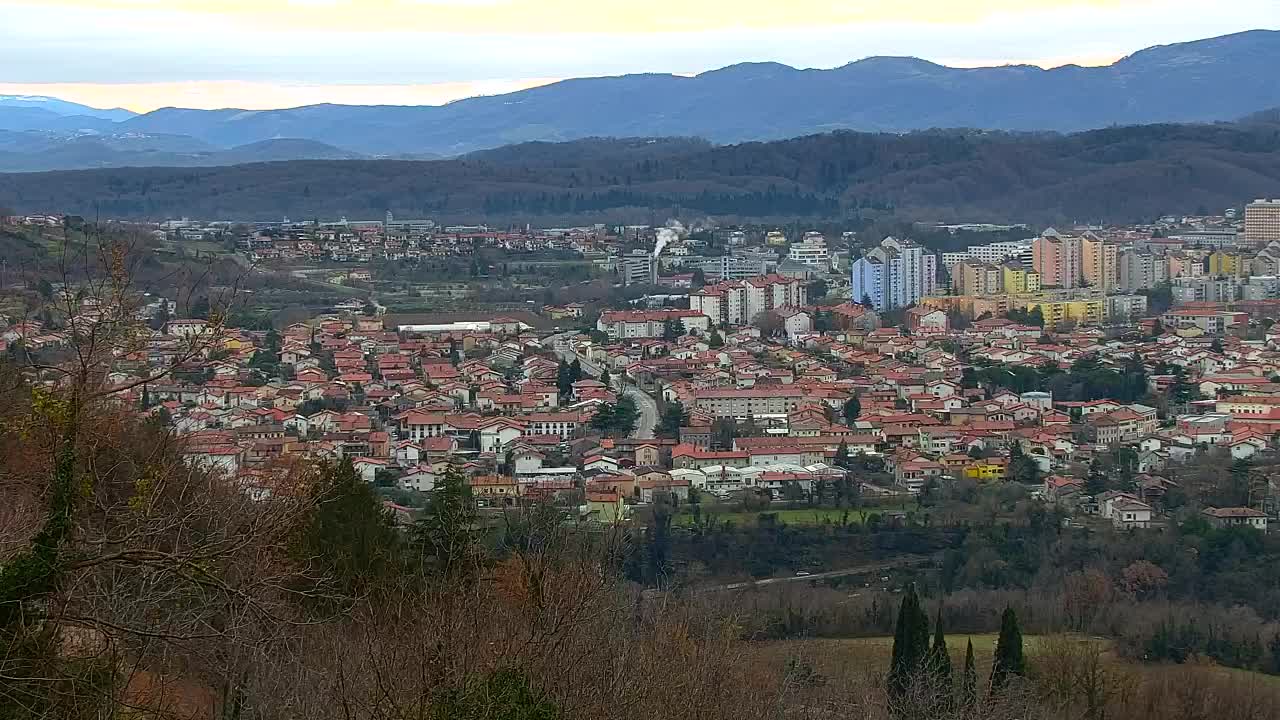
(1118, 174)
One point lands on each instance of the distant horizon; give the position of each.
(85, 95)
(278, 54)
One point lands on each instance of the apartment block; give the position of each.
(897, 273)
(1016, 279)
(1262, 223)
(1057, 258)
(1098, 264)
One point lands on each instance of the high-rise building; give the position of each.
(896, 274)
(1057, 258)
(1261, 223)
(1098, 263)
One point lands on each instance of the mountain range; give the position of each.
(1209, 80)
(1123, 174)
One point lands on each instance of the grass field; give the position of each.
(871, 653)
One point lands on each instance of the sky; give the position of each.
(259, 54)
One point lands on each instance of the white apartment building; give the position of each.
(993, 253)
(896, 274)
(739, 302)
(812, 250)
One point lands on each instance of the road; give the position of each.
(645, 403)
(859, 570)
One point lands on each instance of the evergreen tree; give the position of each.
(939, 657)
(575, 370)
(1009, 660)
(969, 689)
(444, 533)
(852, 409)
(604, 377)
(351, 543)
(910, 646)
(564, 382)
(715, 341)
(674, 417)
(842, 455)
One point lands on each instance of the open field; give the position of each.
(871, 654)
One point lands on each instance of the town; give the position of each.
(1090, 366)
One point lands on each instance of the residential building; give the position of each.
(623, 324)
(1098, 264)
(1236, 517)
(1017, 279)
(1223, 263)
(992, 253)
(924, 320)
(1141, 270)
(1057, 258)
(977, 278)
(1212, 322)
(748, 402)
(1261, 223)
(733, 267)
(897, 273)
(812, 250)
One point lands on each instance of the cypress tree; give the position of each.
(939, 657)
(910, 646)
(1008, 656)
(969, 691)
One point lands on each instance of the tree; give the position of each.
(769, 323)
(715, 341)
(842, 455)
(444, 534)
(1009, 661)
(910, 646)
(939, 661)
(852, 409)
(674, 417)
(351, 542)
(1036, 316)
(604, 377)
(969, 685)
(563, 383)
(504, 694)
(671, 329)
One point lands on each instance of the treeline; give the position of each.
(835, 176)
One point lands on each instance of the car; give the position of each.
(803, 573)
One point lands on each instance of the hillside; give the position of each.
(1119, 174)
(1217, 79)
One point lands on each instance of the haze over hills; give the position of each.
(1111, 175)
(1208, 80)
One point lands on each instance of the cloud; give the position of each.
(524, 17)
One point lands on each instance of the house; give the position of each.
(605, 508)
(527, 460)
(1236, 517)
(923, 320)
(367, 468)
(419, 477)
(499, 489)
(1127, 513)
(647, 455)
(914, 474)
